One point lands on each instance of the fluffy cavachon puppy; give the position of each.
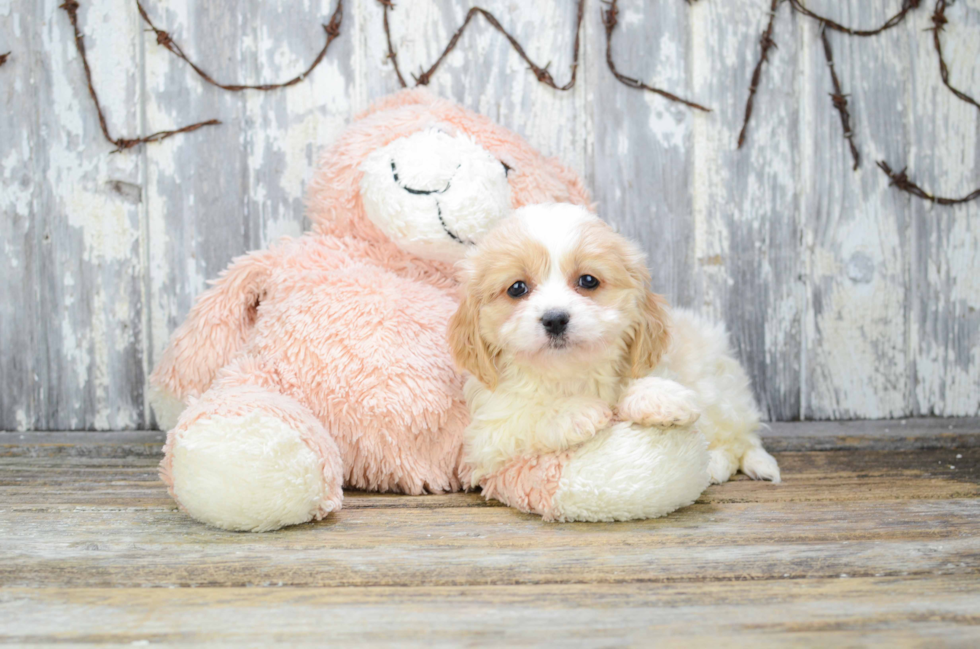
(578, 370)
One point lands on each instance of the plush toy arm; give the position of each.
(625, 472)
(216, 327)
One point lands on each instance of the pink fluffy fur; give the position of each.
(342, 335)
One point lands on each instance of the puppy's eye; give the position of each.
(517, 289)
(588, 282)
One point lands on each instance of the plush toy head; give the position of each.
(430, 177)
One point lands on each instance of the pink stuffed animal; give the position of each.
(323, 362)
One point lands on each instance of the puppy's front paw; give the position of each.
(582, 421)
(659, 402)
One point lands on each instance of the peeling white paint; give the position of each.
(869, 328)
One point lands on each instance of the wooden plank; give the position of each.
(127, 547)
(945, 241)
(747, 222)
(857, 354)
(217, 193)
(73, 337)
(483, 72)
(67, 482)
(905, 611)
(643, 142)
(21, 346)
(897, 435)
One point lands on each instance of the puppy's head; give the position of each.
(555, 287)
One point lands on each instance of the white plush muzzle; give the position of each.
(434, 194)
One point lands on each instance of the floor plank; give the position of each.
(875, 544)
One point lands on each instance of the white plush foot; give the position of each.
(251, 473)
(721, 465)
(166, 407)
(659, 402)
(759, 465)
(628, 472)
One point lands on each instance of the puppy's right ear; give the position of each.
(469, 349)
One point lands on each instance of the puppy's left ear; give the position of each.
(651, 334)
(470, 351)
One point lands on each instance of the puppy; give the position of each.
(563, 338)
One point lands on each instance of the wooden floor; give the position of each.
(877, 542)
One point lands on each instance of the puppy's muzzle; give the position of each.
(555, 322)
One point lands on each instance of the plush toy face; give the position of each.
(435, 194)
(431, 178)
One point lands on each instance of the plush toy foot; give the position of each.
(630, 472)
(166, 407)
(248, 459)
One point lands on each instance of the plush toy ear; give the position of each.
(651, 334)
(470, 351)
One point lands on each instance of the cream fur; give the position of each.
(700, 358)
(251, 473)
(628, 472)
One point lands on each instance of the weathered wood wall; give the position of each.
(845, 298)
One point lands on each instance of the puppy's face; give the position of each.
(555, 287)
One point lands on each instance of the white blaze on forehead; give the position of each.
(557, 226)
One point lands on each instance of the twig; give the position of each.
(766, 43)
(541, 73)
(907, 6)
(392, 54)
(71, 7)
(332, 30)
(902, 182)
(4, 57)
(840, 99)
(939, 22)
(609, 21)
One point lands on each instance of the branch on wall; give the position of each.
(840, 99)
(4, 57)
(541, 73)
(766, 43)
(902, 182)
(938, 24)
(907, 6)
(387, 6)
(71, 7)
(610, 18)
(164, 39)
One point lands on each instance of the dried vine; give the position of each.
(164, 39)
(766, 43)
(71, 8)
(541, 73)
(610, 18)
(938, 23)
(840, 99)
(387, 6)
(902, 182)
(907, 6)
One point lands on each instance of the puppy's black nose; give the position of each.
(555, 322)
